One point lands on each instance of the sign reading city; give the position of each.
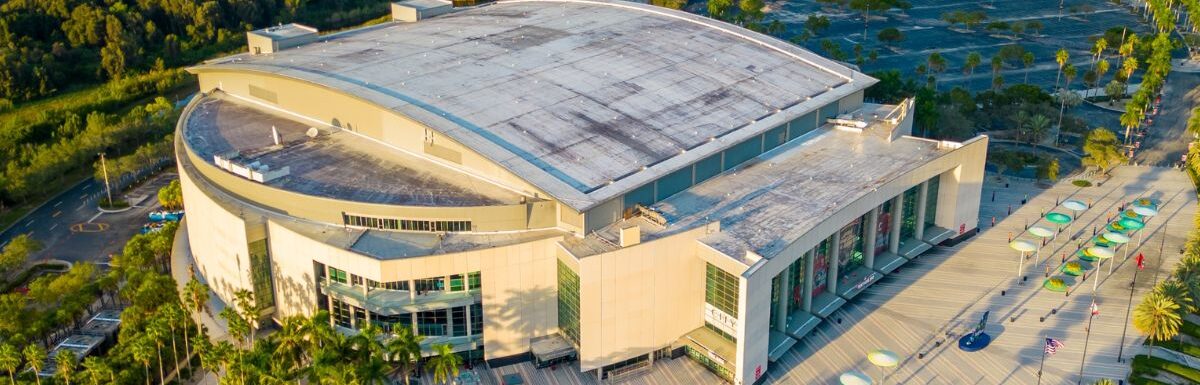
(718, 318)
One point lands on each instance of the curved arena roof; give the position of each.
(584, 99)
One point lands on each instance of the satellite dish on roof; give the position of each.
(312, 132)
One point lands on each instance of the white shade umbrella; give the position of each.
(1146, 211)
(854, 377)
(1024, 247)
(1040, 232)
(1103, 253)
(1074, 205)
(883, 358)
(1119, 239)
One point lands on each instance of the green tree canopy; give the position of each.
(1102, 150)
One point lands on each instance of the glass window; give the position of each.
(883, 228)
(742, 152)
(721, 290)
(829, 111)
(337, 275)
(458, 321)
(821, 268)
(360, 317)
(797, 294)
(476, 319)
(355, 280)
(802, 125)
(908, 224)
(775, 296)
(673, 183)
(340, 313)
(775, 137)
(931, 200)
(642, 195)
(432, 322)
(260, 277)
(475, 280)
(850, 251)
(391, 323)
(568, 302)
(722, 333)
(429, 284)
(708, 168)
(457, 283)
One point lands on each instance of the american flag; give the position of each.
(1052, 346)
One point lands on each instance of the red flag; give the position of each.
(1141, 261)
(1095, 309)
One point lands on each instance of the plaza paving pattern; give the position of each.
(941, 295)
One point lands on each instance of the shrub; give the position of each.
(1183, 371)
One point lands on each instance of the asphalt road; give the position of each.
(1167, 139)
(71, 228)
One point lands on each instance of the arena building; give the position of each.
(539, 179)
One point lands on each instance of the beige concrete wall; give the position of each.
(218, 241)
(960, 189)
(639, 298)
(323, 105)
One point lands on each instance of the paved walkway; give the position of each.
(181, 260)
(941, 295)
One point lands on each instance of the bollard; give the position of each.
(993, 196)
(1042, 319)
(1002, 293)
(1054, 311)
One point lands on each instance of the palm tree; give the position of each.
(1177, 291)
(1101, 70)
(1069, 73)
(444, 363)
(157, 333)
(172, 314)
(1098, 50)
(64, 362)
(1037, 127)
(10, 361)
(290, 342)
(1061, 57)
(974, 59)
(1157, 317)
(97, 370)
(403, 350)
(937, 64)
(35, 356)
(143, 352)
(1027, 60)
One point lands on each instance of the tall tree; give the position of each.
(937, 65)
(1061, 58)
(1157, 317)
(64, 364)
(10, 361)
(1027, 60)
(974, 59)
(879, 6)
(404, 350)
(1102, 150)
(444, 363)
(143, 351)
(35, 358)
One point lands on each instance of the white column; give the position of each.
(869, 238)
(922, 200)
(894, 234)
(785, 291)
(808, 280)
(835, 248)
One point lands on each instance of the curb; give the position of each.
(107, 211)
(1103, 107)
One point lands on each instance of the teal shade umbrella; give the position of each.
(854, 377)
(1130, 214)
(1131, 224)
(1146, 202)
(1058, 218)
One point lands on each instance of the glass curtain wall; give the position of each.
(850, 252)
(908, 222)
(883, 227)
(931, 201)
(568, 302)
(821, 268)
(797, 277)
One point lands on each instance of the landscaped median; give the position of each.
(1148, 366)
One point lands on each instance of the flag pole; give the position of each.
(1043, 364)
(1091, 316)
(1121, 347)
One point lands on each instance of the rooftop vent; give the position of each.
(280, 37)
(412, 11)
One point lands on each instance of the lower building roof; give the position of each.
(338, 165)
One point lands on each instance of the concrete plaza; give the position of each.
(938, 297)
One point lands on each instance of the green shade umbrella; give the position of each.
(883, 358)
(854, 377)
(1058, 218)
(1146, 202)
(1131, 224)
(1130, 214)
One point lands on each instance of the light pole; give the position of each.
(107, 190)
